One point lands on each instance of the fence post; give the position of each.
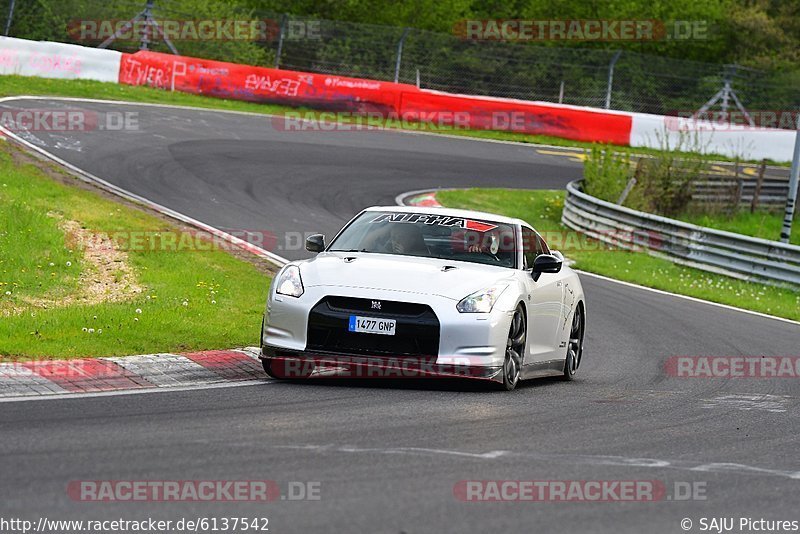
(400, 55)
(611, 77)
(632, 182)
(759, 183)
(281, 26)
(791, 197)
(738, 194)
(736, 189)
(561, 93)
(10, 17)
(627, 190)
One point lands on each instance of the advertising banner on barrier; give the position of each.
(259, 84)
(524, 117)
(406, 102)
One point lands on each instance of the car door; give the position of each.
(545, 302)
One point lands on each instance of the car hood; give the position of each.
(450, 279)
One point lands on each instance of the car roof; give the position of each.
(450, 212)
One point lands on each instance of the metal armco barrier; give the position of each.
(744, 257)
(727, 191)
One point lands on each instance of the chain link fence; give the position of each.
(578, 76)
(620, 80)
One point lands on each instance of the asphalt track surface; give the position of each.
(389, 454)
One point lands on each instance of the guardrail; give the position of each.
(744, 257)
(772, 192)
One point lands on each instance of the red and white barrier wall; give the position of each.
(58, 60)
(540, 118)
(260, 84)
(657, 131)
(230, 80)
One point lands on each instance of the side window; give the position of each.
(532, 245)
(529, 245)
(543, 248)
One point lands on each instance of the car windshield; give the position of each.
(431, 236)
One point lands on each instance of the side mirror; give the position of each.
(545, 263)
(315, 243)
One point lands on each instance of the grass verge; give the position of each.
(542, 209)
(24, 85)
(65, 292)
(761, 223)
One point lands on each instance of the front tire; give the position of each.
(575, 344)
(267, 365)
(515, 350)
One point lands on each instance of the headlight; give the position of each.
(289, 282)
(481, 301)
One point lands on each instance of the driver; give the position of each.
(486, 243)
(398, 238)
(406, 239)
(496, 243)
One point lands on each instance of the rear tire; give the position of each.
(575, 344)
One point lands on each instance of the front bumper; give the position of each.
(298, 364)
(465, 340)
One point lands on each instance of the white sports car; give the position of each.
(409, 291)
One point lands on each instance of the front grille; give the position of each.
(417, 332)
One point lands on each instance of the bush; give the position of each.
(663, 182)
(606, 173)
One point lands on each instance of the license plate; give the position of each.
(372, 325)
